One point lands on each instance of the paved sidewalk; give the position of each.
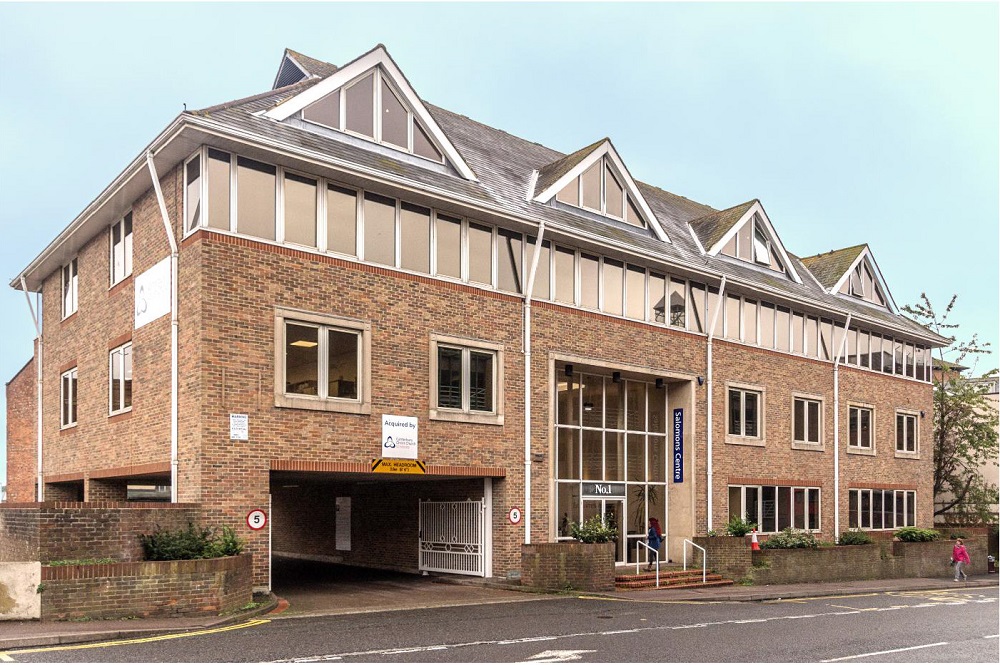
(23, 634)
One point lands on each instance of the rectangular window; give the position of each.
(733, 317)
(509, 261)
(300, 210)
(481, 255)
(120, 383)
(68, 398)
(696, 307)
(744, 412)
(657, 298)
(782, 321)
(860, 434)
(881, 509)
(906, 433)
(342, 220)
(255, 198)
(70, 288)
(798, 332)
(219, 184)
(565, 275)
(448, 246)
(590, 280)
(678, 308)
(776, 507)
(875, 352)
(614, 277)
(766, 325)
(750, 321)
(826, 349)
(380, 229)
(715, 315)
(635, 293)
(811, 347)
(897, 354)
(540, 290)
(192, 193)
(852, 346)
(807, 424)
(919, 362)
(121, 249)
(321, 361)
(465, 381)
(415, 238)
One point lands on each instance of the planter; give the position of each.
(566, 566)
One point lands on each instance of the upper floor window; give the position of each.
(752, 244)
(323, 362)
(67, 393)
(744, 408)
(907, 433)
(465, 381)
(599, 189)
(807, 421)
(70, 288)
(860, 428)
(120, 379)
(371, 107)
(121, 249)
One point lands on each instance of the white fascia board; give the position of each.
(757, 208)
(633, 190)
(866, 255)
(375, 58)
(697, 241)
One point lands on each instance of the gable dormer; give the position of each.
(370, 99)
(594, 178)
(744, 232)
(851, 272)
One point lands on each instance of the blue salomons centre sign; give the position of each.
(678, 445)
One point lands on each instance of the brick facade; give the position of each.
(22, 440)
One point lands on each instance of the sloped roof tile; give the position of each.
(829, 267)
(712, 227)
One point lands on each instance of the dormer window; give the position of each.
(600, 189)
(370, 107)
(863, 285)
(753, 245)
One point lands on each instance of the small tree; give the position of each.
(965, 427)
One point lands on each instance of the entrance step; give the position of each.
(669, 579)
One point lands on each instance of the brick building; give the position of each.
(349, 261)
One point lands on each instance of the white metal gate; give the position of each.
(452, 537)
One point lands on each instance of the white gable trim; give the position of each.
(378, 57)
(867, 256)
(758, 209)
(606, 149)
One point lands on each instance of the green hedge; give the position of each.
(854, 537)
(190, 543)
(912, 534)
(790, 539)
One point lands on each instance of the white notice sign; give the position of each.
(239, 427)
(152, 293)
(399, 437)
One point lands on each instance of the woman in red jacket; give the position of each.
(960, 558)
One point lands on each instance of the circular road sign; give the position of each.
(256, 519)
(514, 515)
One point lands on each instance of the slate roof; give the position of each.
(550, 173)
(312, 66)
(712, 227)
(828, 268)
(503, 165)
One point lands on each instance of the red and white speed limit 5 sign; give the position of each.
(256, 519)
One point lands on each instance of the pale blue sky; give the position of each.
(851, 122)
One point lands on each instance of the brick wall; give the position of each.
(148, 589)
(568, 566)
(54, 531)
(729, 556)
(22, 438)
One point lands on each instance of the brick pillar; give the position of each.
(106, 490)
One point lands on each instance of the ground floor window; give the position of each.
(881, 509)
(776, 507)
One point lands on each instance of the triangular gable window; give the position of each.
(752, 244)
(371, 107)
(863, 284)
(599, 189)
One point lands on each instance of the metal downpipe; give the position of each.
(526, 342)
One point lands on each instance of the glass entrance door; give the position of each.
(613, 511)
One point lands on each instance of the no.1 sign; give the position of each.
(256, 519)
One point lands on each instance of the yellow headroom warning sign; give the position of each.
(382, 465)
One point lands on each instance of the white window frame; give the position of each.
(906, 414)
(791, 497)
(806, 444)
(126, 270)
(67, 420)
(120, 352)
(325, 322)
(465, 414)
(199, 155)
(853, 446)
(70, 273)
(909, 496)
(743, 438)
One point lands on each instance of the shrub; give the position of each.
(593, 530)
(958, 534)
(81, 562)
(854, 537)
(189, 543)
(737, 526)
(790, 539)
(912, 534)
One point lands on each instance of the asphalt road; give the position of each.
(959, 625)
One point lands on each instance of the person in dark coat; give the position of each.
(654, 538)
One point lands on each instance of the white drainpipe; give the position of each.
(173, 324)
(836, 429)
(40, 490)
(527, 385)
(708, 382)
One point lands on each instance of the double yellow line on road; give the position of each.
(6, 656)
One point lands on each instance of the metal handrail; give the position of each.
(704, 558)
(656, 557)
